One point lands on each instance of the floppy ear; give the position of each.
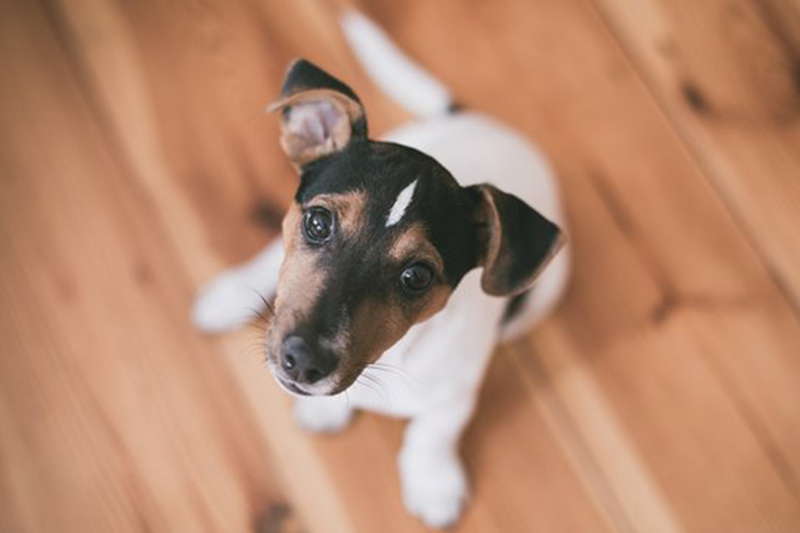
(515, 241)
(320, 114)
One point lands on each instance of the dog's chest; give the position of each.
(436, 361)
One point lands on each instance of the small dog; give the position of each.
(413, 256)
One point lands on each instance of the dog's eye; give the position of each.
(416, 278)
(317, 225)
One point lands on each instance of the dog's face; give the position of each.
(377, 239)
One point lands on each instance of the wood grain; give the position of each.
(115, 414)
(136, 163)
(726, 74)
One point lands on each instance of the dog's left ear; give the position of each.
(515, 241)
(320, 114)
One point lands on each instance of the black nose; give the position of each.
(303, 364)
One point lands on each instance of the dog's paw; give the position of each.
(322, 414)
(225, 304)
(435, 491)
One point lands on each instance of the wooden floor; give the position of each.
(136, 162)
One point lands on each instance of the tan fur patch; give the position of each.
(290, 229)
(435, 301)
(414, 241)
(374, 328)
(349, 209)
(299, 281)
(377, 325)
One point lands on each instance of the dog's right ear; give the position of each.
(515, 240)
(320, 114)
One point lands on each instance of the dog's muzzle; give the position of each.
(302, 367)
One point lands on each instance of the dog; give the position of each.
(403, 261)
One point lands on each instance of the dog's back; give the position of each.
(474, 147)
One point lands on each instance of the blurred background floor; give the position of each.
(136, 162)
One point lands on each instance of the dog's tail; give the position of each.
(392, 70)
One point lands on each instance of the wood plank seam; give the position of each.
(690, 143)
(778, 461)
(673, 301)
(94, 103)
(566, 430)
(649, 510)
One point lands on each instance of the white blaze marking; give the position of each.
(401, 204)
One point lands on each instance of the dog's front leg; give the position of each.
(434, 482)
(236, 296)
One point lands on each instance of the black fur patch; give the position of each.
(303, 75)
(381, 171)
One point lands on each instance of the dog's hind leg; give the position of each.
(238, 295)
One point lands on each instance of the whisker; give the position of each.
(250, 351)
(258, 327)
(254, 346)
(400, 372)
(388, 370)
(254, 353)
(388, 366)
(260, 315)
(366, 384)
(267, 304)
(378, 383)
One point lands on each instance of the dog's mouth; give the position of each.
(291, 387)
(326, 389)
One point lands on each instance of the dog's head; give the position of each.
(377, 239)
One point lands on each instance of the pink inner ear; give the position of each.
(313, 122)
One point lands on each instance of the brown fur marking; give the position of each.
(414, 242)
(377, 325)
(299, 281)
(349, 209)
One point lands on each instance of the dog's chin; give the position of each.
(306, 390)
(292, 387)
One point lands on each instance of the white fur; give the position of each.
(398, 76)
(438, 366)
(234, 298)
(323, 414)
(401, 204)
